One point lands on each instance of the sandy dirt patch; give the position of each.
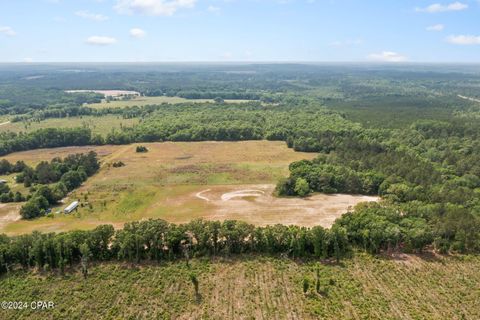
(469, 98)
(107, 93)
(8, 213)
(255, 204)
(201, 197)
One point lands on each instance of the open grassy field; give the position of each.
(3, 119)
(101, 125)
(12, 183)
(365, 287)
(143, 101)
(182, 181)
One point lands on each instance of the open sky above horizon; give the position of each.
(239, 30)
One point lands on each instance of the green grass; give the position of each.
(143, 101)
(365, 287)
(4, 118)
(101, 125)
(14, 186)
(160, 183)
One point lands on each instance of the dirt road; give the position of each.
(468, 98)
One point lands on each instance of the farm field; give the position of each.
(185, 180)
(143, 101)
(256, 287)
(100, 125)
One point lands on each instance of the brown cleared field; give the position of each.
(406, 287)
(256, 204)
(171, 182)
(32, 157)
(8, 213)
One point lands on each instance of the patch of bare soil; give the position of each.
(107, 93)
(8, 213)
(256, 204)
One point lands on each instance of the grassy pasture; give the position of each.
(143, 101)
(3, 118)
(101, 125)
(12, 183)
(365, 287)
(161, 183)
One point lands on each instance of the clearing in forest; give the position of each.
(99, 125)
(144, 101)
(181, 181)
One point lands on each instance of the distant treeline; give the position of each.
(372, 227)
(46, 138)
(310, 129)
(19, 99)
(69, 110)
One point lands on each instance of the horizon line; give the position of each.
(244, 62)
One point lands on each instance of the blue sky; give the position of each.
(239, 30)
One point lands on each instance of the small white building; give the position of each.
(72, 206)
(3, 181)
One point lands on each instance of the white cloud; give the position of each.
(153, 7)
(101, 40)
(437, 7)
(91, 16)
(464, 40)
(8, 31)
(436, 27)
(347, 43)
(137, 33)
(387, 56)
(213, 9)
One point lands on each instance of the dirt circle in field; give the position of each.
(255, 204)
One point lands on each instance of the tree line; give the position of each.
(371, 227)
(158, 240)
(47, 138)
(308, 129)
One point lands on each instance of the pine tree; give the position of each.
(85, 252)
